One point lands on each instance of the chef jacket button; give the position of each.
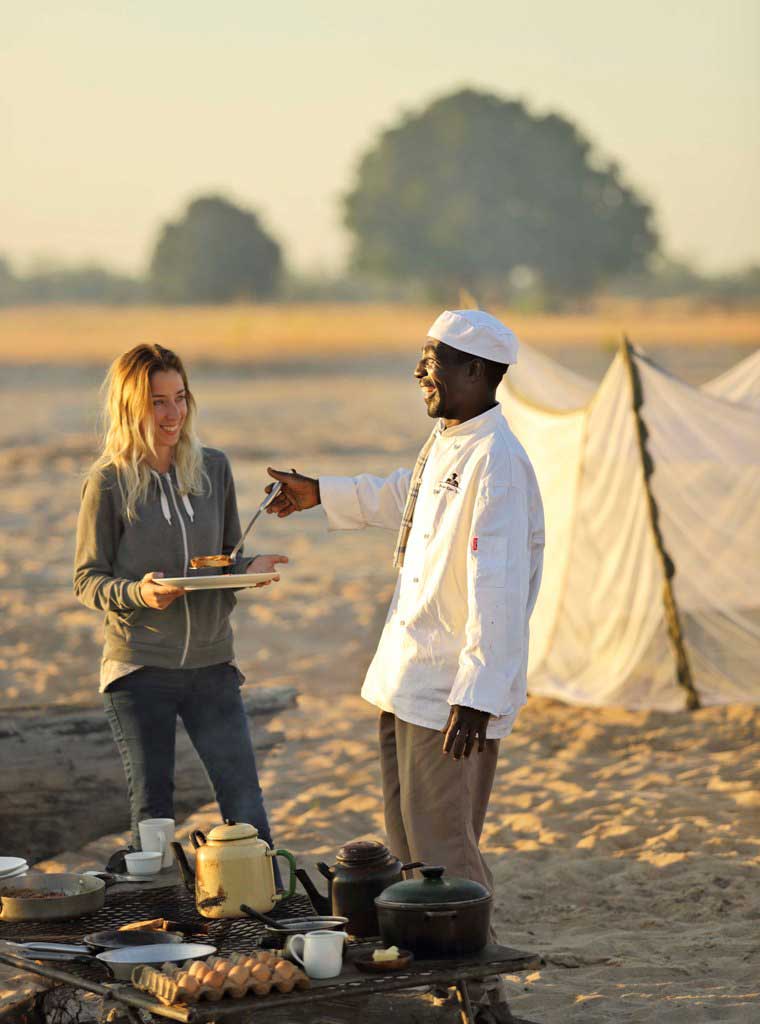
(416, 579)
(457, 446)
(402, 623)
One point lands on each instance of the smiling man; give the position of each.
(452, 658)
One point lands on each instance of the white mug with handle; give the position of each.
(321, 952)
(157, 834)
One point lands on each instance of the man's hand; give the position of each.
(158, 595)
(266, 563)
(298, 493)
(465, 727)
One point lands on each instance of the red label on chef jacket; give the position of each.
(474, 543)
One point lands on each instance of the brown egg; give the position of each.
(197, 969)
(261, 972)
(215, 979)
(189, 985)
(285, 968)
(239, 975)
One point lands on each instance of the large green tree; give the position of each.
(472, 188)
(216, 252)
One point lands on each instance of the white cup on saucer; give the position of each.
(157, 835)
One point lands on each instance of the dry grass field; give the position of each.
(270, 333)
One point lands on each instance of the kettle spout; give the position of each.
(322, 904)
(188, 875)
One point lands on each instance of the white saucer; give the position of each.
(10, 865)
(14, 874)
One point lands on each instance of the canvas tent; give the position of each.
(651, 488)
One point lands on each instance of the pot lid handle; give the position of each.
(433, 873)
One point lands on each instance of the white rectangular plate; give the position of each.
(248, 579)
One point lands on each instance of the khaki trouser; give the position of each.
(435, 806)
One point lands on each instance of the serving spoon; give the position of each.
(262, 508)
(224, 561)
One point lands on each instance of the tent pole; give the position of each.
(672, 618)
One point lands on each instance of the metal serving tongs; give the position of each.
(262, 508)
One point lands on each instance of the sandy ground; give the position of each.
(625, 845)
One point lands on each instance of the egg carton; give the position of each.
(236, 975)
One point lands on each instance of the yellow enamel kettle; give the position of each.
(234, 866)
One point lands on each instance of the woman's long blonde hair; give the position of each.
(129, 430)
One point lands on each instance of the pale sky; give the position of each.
(114, 114)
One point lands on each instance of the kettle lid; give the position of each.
(232, 830)
(363, 853)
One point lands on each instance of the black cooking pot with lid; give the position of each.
(435, 917)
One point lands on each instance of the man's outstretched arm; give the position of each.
(298, 492)
(350, 502)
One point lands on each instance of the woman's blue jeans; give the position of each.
(142, 709)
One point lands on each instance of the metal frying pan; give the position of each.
(40, 896)
(285, 926)
(112, 938)
(120, 962)
(99, 942)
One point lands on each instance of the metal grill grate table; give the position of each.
(242, 935)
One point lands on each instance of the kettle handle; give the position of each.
(197, 838)
(412, 866)
(292, 880)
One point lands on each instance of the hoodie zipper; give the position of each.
(168, 478)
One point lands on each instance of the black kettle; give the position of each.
(362, 870)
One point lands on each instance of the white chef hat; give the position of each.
(476, 332)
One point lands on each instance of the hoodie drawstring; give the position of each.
(165, 501)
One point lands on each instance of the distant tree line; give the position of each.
(474, 193)
(67, 284)
(216, 252)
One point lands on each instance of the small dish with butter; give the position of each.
(391, 959)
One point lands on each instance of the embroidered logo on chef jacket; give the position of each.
(451, 483)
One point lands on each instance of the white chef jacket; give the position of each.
(457, 627)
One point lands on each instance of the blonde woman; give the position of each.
(154, 499)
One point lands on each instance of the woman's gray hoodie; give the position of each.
(112, 556)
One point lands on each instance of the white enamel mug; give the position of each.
(157, 834)
(320, 953)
